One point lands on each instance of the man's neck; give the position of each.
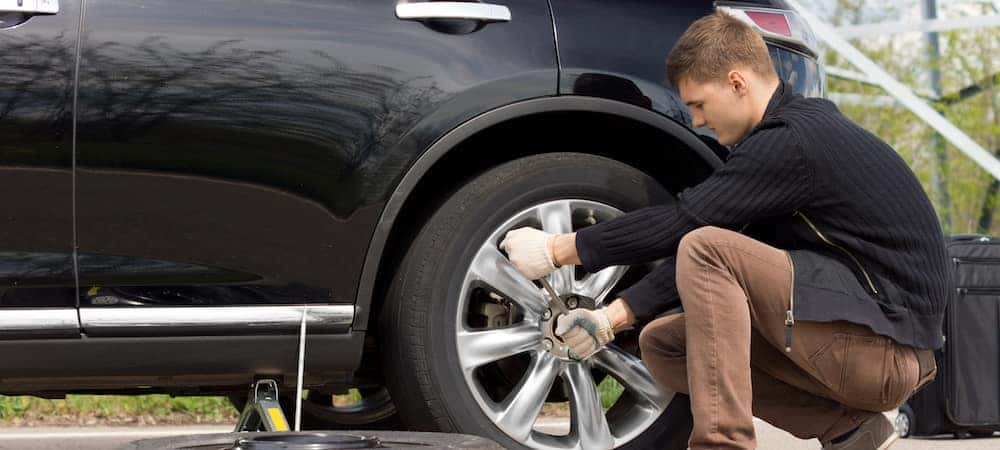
(762, 97)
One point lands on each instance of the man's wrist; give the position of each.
(620, 315)
(563, 248)
(550, 245)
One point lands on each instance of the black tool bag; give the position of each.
(965, 396)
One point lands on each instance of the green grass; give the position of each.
(610, 390)
(351, 397)
(103, 406)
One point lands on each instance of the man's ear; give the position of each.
(738, 83)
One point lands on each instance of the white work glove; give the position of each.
(529, 251)
(585, 331)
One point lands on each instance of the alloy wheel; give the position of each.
(512, 362)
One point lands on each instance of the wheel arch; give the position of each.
(591, 119)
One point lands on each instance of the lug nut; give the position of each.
(572, 302)
(547, 344)
(547, 314)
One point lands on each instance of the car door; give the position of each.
(37, 56)
(239, 152)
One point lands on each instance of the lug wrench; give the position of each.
(557, 302)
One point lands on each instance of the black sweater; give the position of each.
(804, 170)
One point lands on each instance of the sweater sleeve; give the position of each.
(766, 175)
(654, 293)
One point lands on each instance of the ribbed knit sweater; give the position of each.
(864, 239)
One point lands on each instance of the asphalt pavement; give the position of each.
(104, 438)
(90, 438)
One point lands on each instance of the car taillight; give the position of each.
(769, 21)
(778, 25)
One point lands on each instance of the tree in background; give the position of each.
(964, 195)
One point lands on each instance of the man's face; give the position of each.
(721, 106)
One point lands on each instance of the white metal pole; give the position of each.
(302, 359)
(903, 94)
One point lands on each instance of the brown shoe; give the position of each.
(876, 433)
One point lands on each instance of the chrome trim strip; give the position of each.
(453, 10)
(39, 321)
(214, 320)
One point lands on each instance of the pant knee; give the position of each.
(697, 239)
(710, 247)
(694, 250)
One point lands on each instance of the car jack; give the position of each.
(262, 411)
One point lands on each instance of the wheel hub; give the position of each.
(550, 320)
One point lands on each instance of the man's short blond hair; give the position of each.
(715, 44)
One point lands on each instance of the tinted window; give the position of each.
(803, 73)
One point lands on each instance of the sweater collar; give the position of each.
(781, 96)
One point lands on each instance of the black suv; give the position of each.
(181, 178)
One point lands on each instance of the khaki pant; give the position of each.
(727, 350)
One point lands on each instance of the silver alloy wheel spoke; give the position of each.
(477, 348)
(562, 280)
(598, 285)
(493, 268)
(517, 414)
(633, 375)
(557, 217)
(591, 424)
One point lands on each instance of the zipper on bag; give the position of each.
(975, 260)
(978, 291)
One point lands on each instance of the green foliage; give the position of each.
(964, 195)
(102, 406)
(610, 390)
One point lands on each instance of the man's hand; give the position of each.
(585, 331)
(530, 251)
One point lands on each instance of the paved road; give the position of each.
(769, 437)
(96, 438)
(111, 438)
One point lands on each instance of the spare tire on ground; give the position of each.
(317, 440)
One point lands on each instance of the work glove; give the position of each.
(585, 331)
(529, 251)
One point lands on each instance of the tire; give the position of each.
(425, 307)
(375, 411)
(972, 434)
(904, 421)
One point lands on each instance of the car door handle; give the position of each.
(30, 7)
(483, 12)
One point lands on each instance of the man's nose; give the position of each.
(697, 121)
